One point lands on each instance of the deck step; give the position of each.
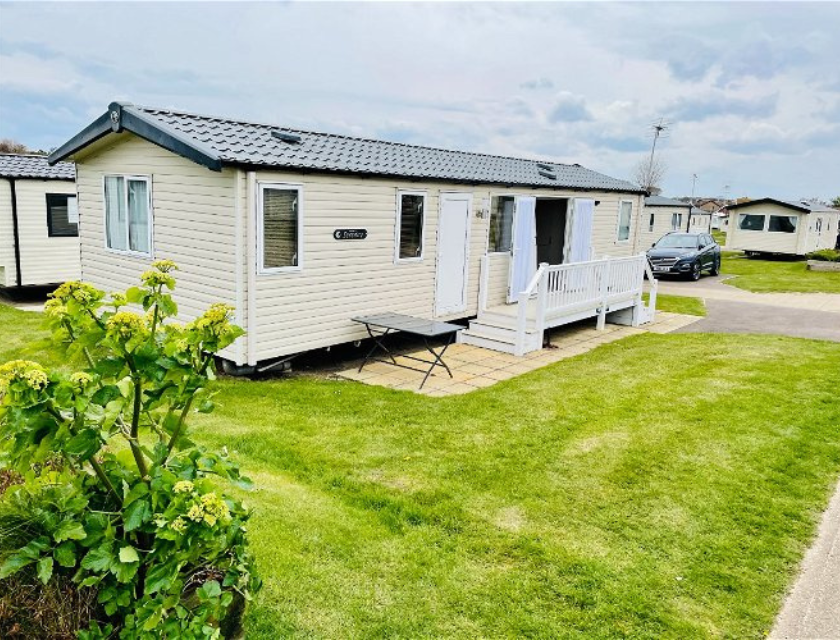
(479, 340)
(495, 330)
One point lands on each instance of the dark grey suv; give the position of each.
(686, 254)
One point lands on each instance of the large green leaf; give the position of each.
(45, 569)
(98, 559)
(69, 530)
(136, 514)
(84, 444)
(65, 554)
(128, 554)
(13, 564)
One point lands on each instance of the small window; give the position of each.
(818, 225)
(751, 222)
(783, 224)
(410, 213)
(279, 228)
(676, 221)
(62, 215)
(127, 214)
(625, 213)
(501, 224)
(650, 223)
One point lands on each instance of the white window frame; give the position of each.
(767, 228)
(137, 178)
(398, 224)
(678, 217)
(262, 270)
(629, 223)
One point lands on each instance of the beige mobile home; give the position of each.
(301, 231)
(782, 227)
(39, 237)
(661, 215)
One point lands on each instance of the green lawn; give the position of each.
(768, 276)
(659, 486)
(688, 305)
(720, 237)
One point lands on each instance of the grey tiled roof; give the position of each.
(245, 143)
(801, 205)
(662, 201)
(16, 165)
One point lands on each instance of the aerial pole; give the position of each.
(691, 202)
(660, 128)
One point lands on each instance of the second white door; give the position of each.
(452, 253)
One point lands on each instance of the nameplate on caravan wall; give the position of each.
(350, 234)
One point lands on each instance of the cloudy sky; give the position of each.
(752, 89)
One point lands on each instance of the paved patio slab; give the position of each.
(475, 368)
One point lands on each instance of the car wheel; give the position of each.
(695, 272)
(715, 267)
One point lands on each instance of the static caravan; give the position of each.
(39, 235)
(661, 215)
(782, 227)
(302, 231)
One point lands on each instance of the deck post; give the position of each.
(483, 283)
(521, 324)
(602, 314)
(542, 297)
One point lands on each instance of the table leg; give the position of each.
(438, 361)
(377, 344)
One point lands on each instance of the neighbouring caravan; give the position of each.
(301, 231)
(661, 215)
(782, 227)
(39, 235)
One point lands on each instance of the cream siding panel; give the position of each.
(827, 237)
(43, 260)
(7, 238)
(192, 216)
(312, 307)
(661, 224)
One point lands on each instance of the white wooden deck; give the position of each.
(561, 294)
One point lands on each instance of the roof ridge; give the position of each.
(190, 114)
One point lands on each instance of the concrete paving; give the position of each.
(733, 310)
(812, 608)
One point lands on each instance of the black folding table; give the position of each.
(380, 325)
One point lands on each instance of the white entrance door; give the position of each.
(452, 253)
(523, 262)
(580, 242)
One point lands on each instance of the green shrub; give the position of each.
(825, 255)
(114, 496)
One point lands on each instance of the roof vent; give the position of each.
(544, 166)
(547, 174)
(286, 137)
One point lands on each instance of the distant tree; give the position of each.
(836, 202)
(7, 145)
(649, 174)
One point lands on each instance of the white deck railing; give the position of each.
(564, 293)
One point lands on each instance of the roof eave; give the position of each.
(249, 166)
(124, 117)
(781, 203)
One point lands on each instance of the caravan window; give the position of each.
(128, 214)
(279, 227)
(62, 215)
(625, 213)
(410, 213)
(783, 224)
(650, 223)
(751, 222)
(501, 224)
(676, 221)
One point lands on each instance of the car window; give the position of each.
(677, 241)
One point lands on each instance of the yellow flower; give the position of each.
(30, 373)
(179, 525)
(164, 265)
(126, 325)
(118, 299)
(155, 278)
(80, 380)
(183, 486)
(55, 308)
(196, 513)
(81, 292)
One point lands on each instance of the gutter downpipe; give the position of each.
(15, 231)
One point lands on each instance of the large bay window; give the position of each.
(751, 222)
(783, 224)
(128, 207)
(279, 228)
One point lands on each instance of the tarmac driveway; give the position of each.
(733, 310)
